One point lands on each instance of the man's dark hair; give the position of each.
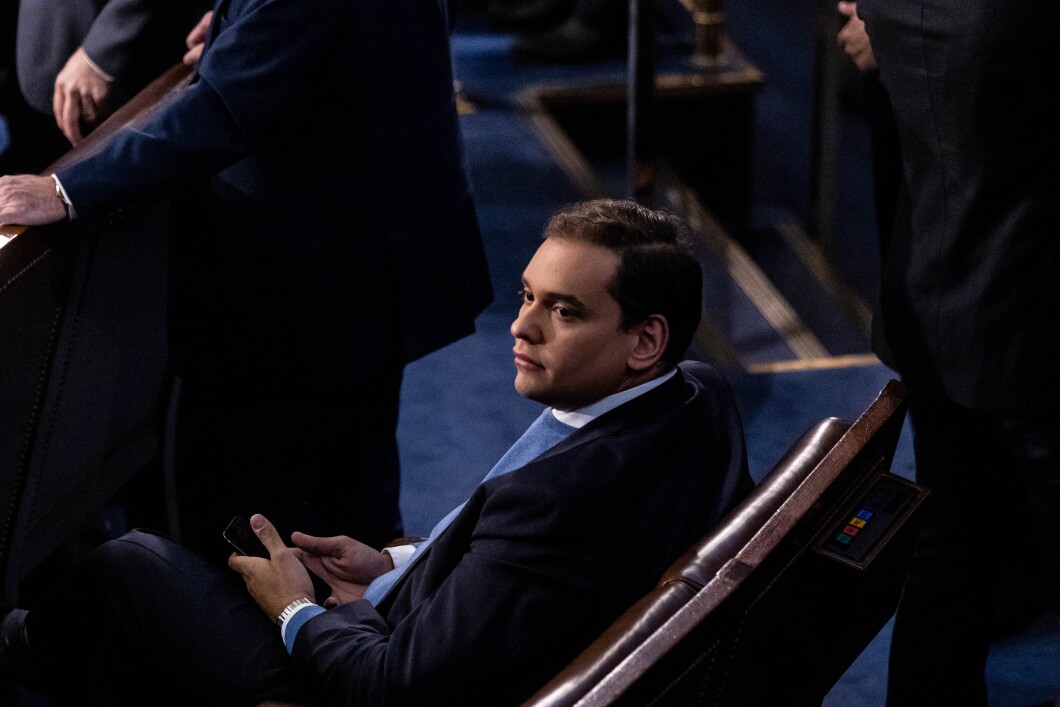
(657, 273)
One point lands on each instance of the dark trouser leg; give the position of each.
(977, 516)
(324, 466)
(1035, 449)
(145, 621)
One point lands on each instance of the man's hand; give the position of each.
(853, 39)
(81, 99)
(197, 39)
(28, 200)
(348, 566)
(276, 582)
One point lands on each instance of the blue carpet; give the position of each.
(778, 407)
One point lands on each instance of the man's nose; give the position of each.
(524, 327)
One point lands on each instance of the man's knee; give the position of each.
(133, 554)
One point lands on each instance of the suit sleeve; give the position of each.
(504, 618)
(127, 34)
(254, 71)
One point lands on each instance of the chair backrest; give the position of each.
(777, 601)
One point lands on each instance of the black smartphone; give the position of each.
(241, 536)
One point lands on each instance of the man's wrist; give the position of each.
(291, 608)
(301, 615)
(96, 68)
(399, 555)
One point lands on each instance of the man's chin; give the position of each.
(527, 388)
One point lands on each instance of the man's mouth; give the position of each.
(524, 362)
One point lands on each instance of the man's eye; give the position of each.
(525, 295)
(563, 312)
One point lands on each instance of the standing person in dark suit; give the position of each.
(634, 461)
(79, 60)
(970, 304)
(886, 157)
(307, 239)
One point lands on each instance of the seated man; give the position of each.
(634, 460)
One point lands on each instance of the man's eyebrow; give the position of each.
(569, 299)
(550, 297)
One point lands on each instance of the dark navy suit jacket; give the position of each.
(325, 210)
(542, 559)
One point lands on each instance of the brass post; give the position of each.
(708, 16)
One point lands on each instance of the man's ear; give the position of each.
(653, 335)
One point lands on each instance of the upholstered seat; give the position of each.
(769, 608)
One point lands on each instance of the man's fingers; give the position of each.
(91, 107)
(266, 532)
(75, 110)
(313, 544)
(58, 104)
(68, 116)
(197, 35)
(196, 39)
(191, 57)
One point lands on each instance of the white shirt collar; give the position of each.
(583, 416)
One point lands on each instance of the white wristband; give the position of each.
(291, 608)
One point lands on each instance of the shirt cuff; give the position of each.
(289, 629)
(400, 554)
(66, 199)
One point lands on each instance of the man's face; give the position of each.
(570, 349)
